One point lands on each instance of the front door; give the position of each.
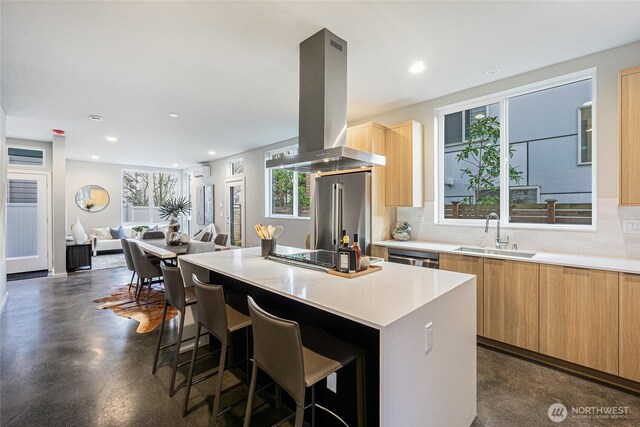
(234, 199)
(27, 222)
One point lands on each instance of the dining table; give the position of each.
(160, 249)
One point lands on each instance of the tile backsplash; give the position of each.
(608, 239)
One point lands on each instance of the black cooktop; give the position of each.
(320, 258)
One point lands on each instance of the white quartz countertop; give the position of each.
(376, 299)
(624, 265)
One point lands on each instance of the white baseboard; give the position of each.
(58, 275)
(5, 297)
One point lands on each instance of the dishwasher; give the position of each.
(415, 258)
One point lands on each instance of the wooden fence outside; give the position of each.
(550, 212)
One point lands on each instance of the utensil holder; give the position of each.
(268, 247)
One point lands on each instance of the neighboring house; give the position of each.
(551, 145)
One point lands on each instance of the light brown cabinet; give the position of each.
(468, 265)
(579, 316)
(370, 137)
(404, 159)
(629, 110)
(511, 291)
(630, 326)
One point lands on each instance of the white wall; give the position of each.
(609, 239)
(106, 175)
(295, 230)
(3, 210)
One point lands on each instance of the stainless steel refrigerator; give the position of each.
(342, 202)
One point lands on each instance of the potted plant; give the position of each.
(139, 229)
(171, 210)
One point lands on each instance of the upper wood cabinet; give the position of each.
(630, 326)
(469, 265)
(579, 316)
(511, 291)
(629, 110)
(404, 176)
(370, 137)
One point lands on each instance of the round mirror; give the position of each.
(92, 198)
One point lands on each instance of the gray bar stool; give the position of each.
(296, 361)
(175, 295)
(219, 319)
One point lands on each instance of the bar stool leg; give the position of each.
(191, 369)
(216, 398)
(360, 391)
(299, 415)
(155, 358)
(172, 391)
(252, 391)
(313, 405)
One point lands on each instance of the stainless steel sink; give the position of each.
(501, 252)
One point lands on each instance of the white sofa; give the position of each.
(101, 239)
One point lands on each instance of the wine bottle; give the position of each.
(358, 252)
(346, 256)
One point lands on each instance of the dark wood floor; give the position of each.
(63, 362)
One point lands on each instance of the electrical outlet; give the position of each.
(428, 337)
(631, 226)
(332, 382)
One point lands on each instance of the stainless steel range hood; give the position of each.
(323, 111)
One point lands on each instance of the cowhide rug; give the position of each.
(123, 303)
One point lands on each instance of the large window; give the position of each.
(143, 192)
(515, 154)
(287, 192)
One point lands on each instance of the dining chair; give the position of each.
(207, 236)
(221, 239)
(149, 235)
(129, 260)
(145, 269)
(200, 247)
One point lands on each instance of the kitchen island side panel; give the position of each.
(435, 388)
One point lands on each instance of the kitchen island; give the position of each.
(387, 314)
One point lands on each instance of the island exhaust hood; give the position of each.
(322, 126)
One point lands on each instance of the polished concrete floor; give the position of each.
(65, 363)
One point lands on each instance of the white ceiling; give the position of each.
(230, 69)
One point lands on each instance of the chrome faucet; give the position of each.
(499, 243)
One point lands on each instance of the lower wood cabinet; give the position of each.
(579, 316)
(630, 326)
(468, 265)
(511, 291)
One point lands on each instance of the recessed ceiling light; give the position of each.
(112, 139)
(213, 153)
(95, 157)
(326, 160)
(493, 71)
(95, 118)
(417, 67)
(175, 165)
(174, 115)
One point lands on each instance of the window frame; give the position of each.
(269, 187)
(502, 98)
(151, 206)
(579, 118)
(26, 147)
(230, 167)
